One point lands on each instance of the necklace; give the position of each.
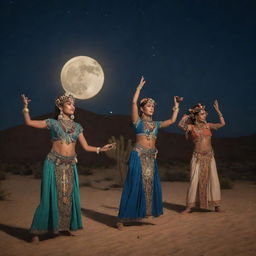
(148, 127)
(201, 125)
(67, 125)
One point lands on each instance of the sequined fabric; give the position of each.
(59, 132)
(147, 158)
(64, 182)
(204, 159)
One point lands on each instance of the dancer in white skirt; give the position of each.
(204, 188)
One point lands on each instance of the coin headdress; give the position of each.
(61, 100)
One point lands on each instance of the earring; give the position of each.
(72, 117)
(60, 116)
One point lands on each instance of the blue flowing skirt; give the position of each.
(46, 217)
(133, 200)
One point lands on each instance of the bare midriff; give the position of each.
(145, 142)
(202, 144)
(63, 148)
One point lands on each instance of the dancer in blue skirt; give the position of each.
(142, 193)
(59, 208)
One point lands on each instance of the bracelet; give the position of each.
(220, 115)
(98, 150)
(175, 108)
(139, 87)
(25, 110)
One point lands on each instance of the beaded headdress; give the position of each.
(59, 102)
(195, 110)
(147, 100)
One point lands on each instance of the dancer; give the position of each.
(204, 188)
(142, 193)
(59, 208)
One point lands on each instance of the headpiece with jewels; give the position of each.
(193, 111)
(59, 102)
(147, 100)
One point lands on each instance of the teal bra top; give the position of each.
(58, 132)
(149, 128)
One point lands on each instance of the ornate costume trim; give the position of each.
(65, 135)
(210, 204)
(147, 159)
(64, 183)
(204, 160)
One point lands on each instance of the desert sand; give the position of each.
(231, 232)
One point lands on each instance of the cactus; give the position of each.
(120, 154)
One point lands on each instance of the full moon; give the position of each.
(82, 77)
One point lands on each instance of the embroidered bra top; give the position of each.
(58, 132)
(147, 128)
(196, 133)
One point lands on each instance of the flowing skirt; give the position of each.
(142, 193)
(204, 188)
(59, 207)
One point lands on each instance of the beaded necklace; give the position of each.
(68, 127)
(148, 127)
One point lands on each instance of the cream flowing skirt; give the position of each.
(204, 188)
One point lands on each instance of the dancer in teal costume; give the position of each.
(59, 208)
(142, 193)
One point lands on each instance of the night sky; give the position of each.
(201, 50)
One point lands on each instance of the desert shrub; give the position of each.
(84, 170)
(175, 175)
(17, 168)
(86, 184)
(14, 168)
(115, 185)
(37, 169)
(175, 171)
(98, 180)
(108, 178)
(237, 170)
(226, 183)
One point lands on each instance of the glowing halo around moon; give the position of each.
(82, 77)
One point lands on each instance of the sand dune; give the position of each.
(231, 233)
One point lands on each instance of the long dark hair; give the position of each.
(194, 111)
(56, 112)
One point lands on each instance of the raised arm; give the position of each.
(27, 119)
(221, 118)
(183, 123)
(135, 114)
(89, 148)
(175, 111)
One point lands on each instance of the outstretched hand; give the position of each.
(142, 82)
(216, 106)
(25, 100)
(177, 100)
(108, 147)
